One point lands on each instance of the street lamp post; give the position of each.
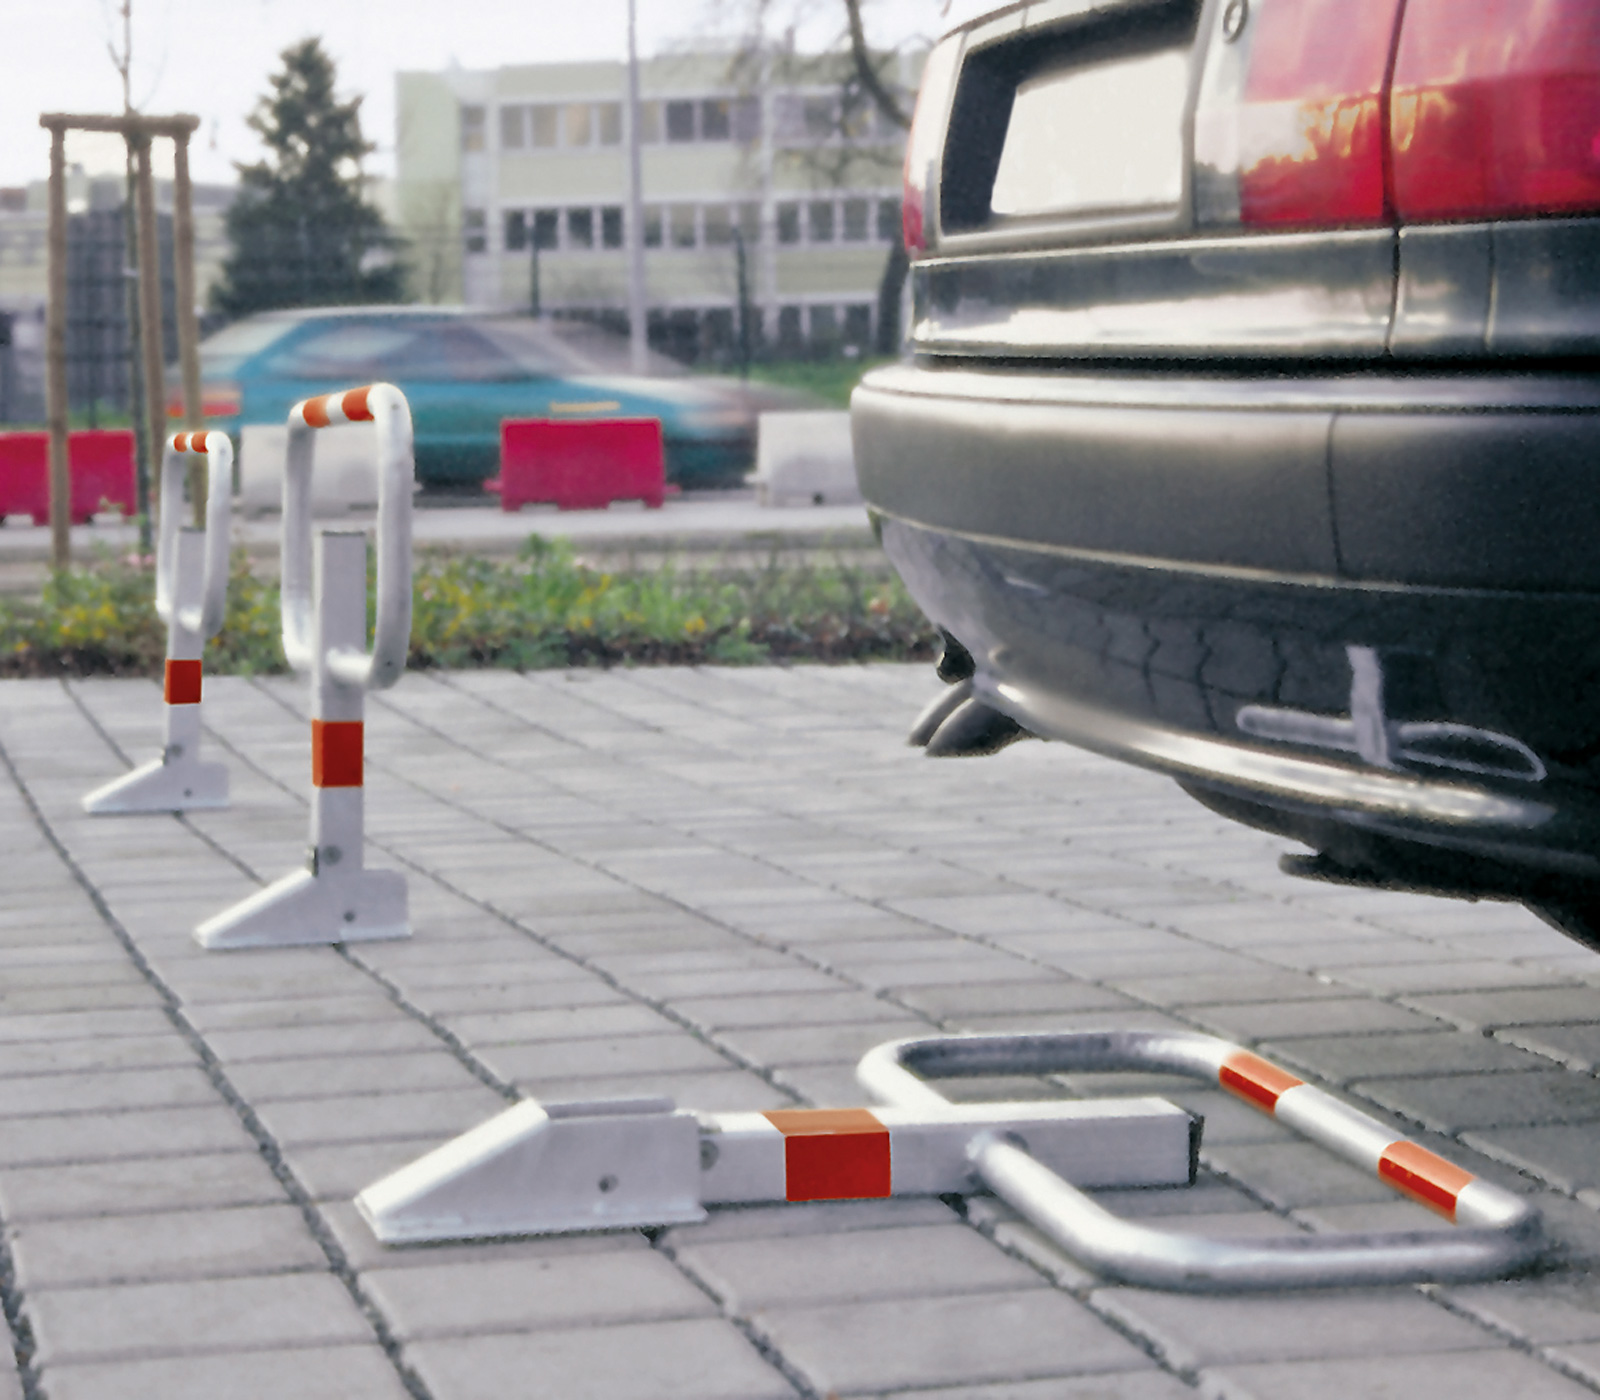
(637, 342)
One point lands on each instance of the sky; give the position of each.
(213, 57)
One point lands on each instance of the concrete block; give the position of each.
(1194, 1332)
(105, 1137)
(692, 1359)
(344, 475)
(805, 458)
(311, 1373)
(1459, 1102)
(1461, 1375)
(374, 1117)
(175, 1319)
(531, 1294)
(137, 1184)
(963, 1340)
(1341, 1059)
(186, 1244)
(631, 1054)
(920, 1261)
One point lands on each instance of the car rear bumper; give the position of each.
(1369, 599)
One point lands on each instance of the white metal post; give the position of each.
(191, 596)
(638, 330)
(335, 899)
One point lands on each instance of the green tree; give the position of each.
(300, 230)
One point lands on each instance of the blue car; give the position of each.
(463, 372)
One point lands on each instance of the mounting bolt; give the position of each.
(1234, 18)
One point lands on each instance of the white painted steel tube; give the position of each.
(386, 407)
(1498, 1232)
(206, 619)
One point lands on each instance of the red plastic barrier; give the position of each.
(99, 460)
(582, 465)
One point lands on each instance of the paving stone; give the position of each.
(83, 1025)
(100, 1137)
(216, 1315)
(1577, 1047)
(1200, 989)
(137, 1184)
(920, 1261)
(805, 1009)
(1290, 1020)
(559, 1023)
(811, 1218)
(1454, 1103)
(695, 1359)
(1295, 1174)
(1193, 1332)
(1442, 975)
(802, 1045)
(1123, 1385)
(373, 1117)
(1536, 1006)
(1537, 1311)
(32, 1057)
(371, 1005)
(1461, 1375)
(1562, 1154)
(864, 1347)
(324, 1373)
(720, 1091)
(188, 1244)
(180, 1086)
(532, 1294)
(1045, 993)
(264, 1081)
(1342, 1059)
(593, 1056)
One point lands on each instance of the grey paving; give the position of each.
(723, 885)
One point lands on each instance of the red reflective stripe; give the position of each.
(181, 684)
(832, 1154)
(354, 405)
(336, 753)
(1254, 1079)
(1424, 1176)
(316, 412)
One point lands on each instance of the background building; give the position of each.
(512, 191)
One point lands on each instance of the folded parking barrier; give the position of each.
(191, 597)
(335, 899)
(556, 1168)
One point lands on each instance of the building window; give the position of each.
(858, 325)
(513, 128)
(475, 229)
(681, 223)
(546, 223)
(649, 123)
(824, 325)
(545, 127)
(788, 223)
(652, 226)
(747, 119)
(789, 328)
(819, 221)
(889, 230)
(473, 121)
(610, 123)
(820, 117)
(580, 228)
(516, 231)
(719, 227)
(716, 119)
(580, 124)
(750, 223)
(680, 121)
(611, 227)
(856, 215)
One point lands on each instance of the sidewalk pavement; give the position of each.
(696, 522)
(722, 885)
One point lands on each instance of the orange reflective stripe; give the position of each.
(181, 683)
(336, 753)
(1255, 1080)
(197, 442)
(316, 412)
(1423, 1175)
(354, 405)
(180, 442)
(832, 1154)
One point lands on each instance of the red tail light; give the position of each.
(1306, 133)
(926, 138)
(1496, 109)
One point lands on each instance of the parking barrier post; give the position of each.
(557, 1168)
(335, 899)
(191, 598)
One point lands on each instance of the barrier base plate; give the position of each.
(303, 908)
(187, 785)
